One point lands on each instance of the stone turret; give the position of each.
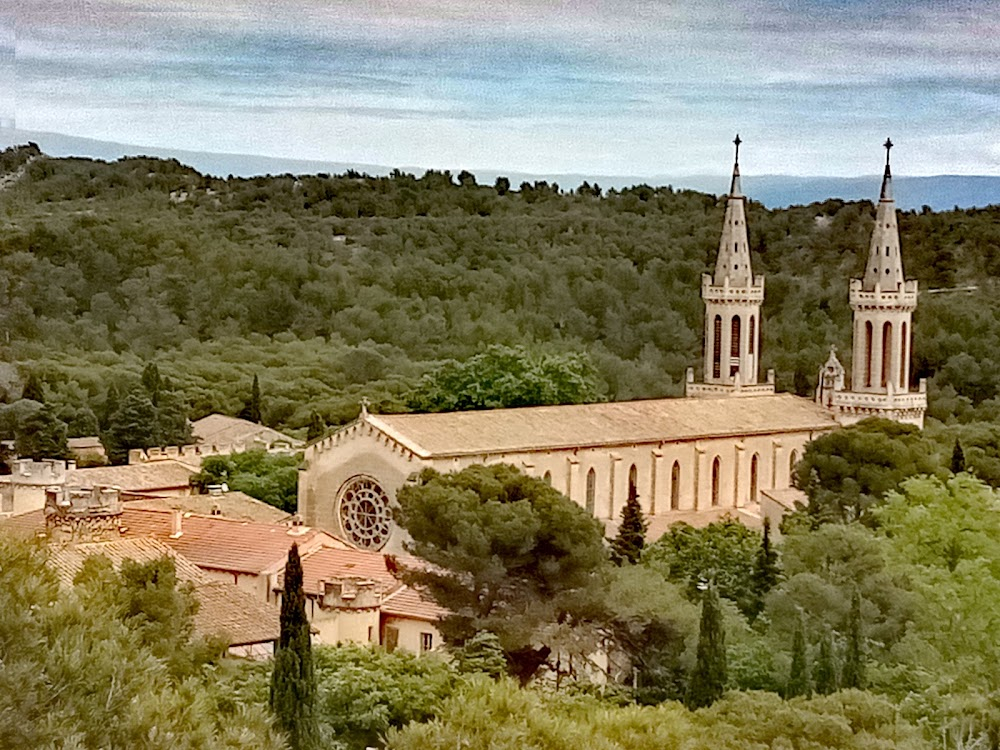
(883, 302)
(732, 296)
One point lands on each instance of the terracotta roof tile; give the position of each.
(619, 423)
(230, 504)
(219, 429)
(225, 543)
(408, 602)
(329, 564)
(147, 477)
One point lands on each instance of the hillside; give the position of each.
(331, 287)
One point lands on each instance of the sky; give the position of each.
(635, 87)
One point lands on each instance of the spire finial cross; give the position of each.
(737, 141)
(887, 145)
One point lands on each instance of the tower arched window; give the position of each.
(717, 347)
(591, 490)
(754, 471)
(886, 352)
(753, 333)
(904, 368)
(716, 479)
(633, 482)
(675, 486)
(734, 345)
(869, 332)
(793, 459)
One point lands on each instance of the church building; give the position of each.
(729, 441)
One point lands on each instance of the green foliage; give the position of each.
(317, 427)
(252, 409)
(481, 654)
(708, 679)
(722, 552)
(504, 377)
(847, 472)
(33, 390)
(293, 679)
(957, 458)
(270, 477)
(853, 675)
(766, 572)
(825, 671)
(627, 546)
(798, 676)
(41, 434)
(77, 672)
(509, 554)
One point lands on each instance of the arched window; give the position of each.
(548, 478)
(675, 486)
(717, 347)
(633, 482)
(886, 352)
(754, 464)
(904, 365)
(868, 353)
(753, 333)
(591, 489)
(734, 342)
(716, 478)
(792, 460)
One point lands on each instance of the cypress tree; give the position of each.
(765, 571)
(33, 390)
(112, 401)
(293, 681)
(957, 458)
(627, 546)
(798, 676)
(708, 680)
(824, 672)
(854, 664)
(151, 382)
(252, 409)
(316, 427)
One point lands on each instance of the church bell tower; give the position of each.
(882, 302)
(732, 296)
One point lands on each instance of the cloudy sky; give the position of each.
(639, 87)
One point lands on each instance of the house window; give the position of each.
(716, 477)
(717, 347)
(591, 489)
(391, 638)
(754, 462)
(633, 482)
(675, 486)
(792, 460)
(886, 352)
(426, 642)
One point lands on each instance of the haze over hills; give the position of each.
(940, 192)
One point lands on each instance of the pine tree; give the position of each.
(316, 427)
(798, 676)
(41, 435)
(708, 680)
(824, 672)
(765, 571)
(252, 409)
(854, 659)
(132, 425)
(293, 681)
(957, 458)
(627, 546)
(33, 390)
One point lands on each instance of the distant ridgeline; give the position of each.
(334, 287)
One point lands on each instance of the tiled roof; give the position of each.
(582, 425)
(219, 429)
(409, 603)
(329, 564)
(225, 543)
(146, 477)
(92, 442)
(230, 505)
(24, 524)
(224, 610)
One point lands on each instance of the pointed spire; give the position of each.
(886, 194)
(735, 189)
(885, 264)
(734, 247)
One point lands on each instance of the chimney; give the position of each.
(177, 516)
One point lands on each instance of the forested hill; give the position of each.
(330, 287)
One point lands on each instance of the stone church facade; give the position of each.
(719, 449)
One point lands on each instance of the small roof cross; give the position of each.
(887, 145)
(737, 141)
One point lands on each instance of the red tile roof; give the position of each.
(411, 604)
(329, 564)
(225, 543)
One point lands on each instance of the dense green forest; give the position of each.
(333, 287)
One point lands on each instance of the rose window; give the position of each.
(365, 515)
